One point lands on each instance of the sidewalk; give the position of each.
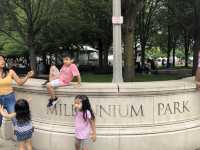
(8, 145)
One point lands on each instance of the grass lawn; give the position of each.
(90, 77)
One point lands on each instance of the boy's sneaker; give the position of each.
(50, 103)
(54, 102)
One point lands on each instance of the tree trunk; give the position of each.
(142, 28)
(186, 57)
(130, 9)
(44, 58)
(33, 61)
(129, 56)
(28, 61)
(143, 45)
(100, 46)
(196, 50)
(105, 58)
(187, 47)
(30, 45)
(169, 47)
(174, 55)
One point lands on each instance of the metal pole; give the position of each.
(117, 48)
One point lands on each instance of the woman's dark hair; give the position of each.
(5, 70)
(23, 114)
(86, 107)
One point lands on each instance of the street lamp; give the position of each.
(117, 21)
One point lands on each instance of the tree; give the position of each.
(27, 17)
(188, 12)
(97, 15)
(146, 20)
(77, 23)
(129, 10)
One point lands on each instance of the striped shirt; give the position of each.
(23, 131)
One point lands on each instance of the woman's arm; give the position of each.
(18, 80)
(5, 114)
(93, 126)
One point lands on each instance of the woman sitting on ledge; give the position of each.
(7, 95)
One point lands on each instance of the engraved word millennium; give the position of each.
(125, 111)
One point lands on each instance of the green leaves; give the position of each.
(11, 47)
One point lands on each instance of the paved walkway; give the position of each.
(8, 145)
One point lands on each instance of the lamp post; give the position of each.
(117, 21)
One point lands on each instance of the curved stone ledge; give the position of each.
(127, 114)
(136, 88)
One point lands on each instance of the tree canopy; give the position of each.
(154, 27)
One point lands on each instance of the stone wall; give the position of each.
(143, 116)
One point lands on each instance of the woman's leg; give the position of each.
(22, 145)
(29, 144)
(1, 103)
(1, 118)
(9, 104)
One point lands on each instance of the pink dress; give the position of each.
(82, 127)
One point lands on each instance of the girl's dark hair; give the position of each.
(5, 70)
(23, 114)
(86, 106)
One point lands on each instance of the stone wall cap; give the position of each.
(121, 88)
(156, 86)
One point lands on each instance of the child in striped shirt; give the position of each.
(22, 125)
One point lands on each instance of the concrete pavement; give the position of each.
(8, 145)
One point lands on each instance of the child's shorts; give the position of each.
(57, 83)
(82, 142)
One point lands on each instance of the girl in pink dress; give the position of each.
(85, 127)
